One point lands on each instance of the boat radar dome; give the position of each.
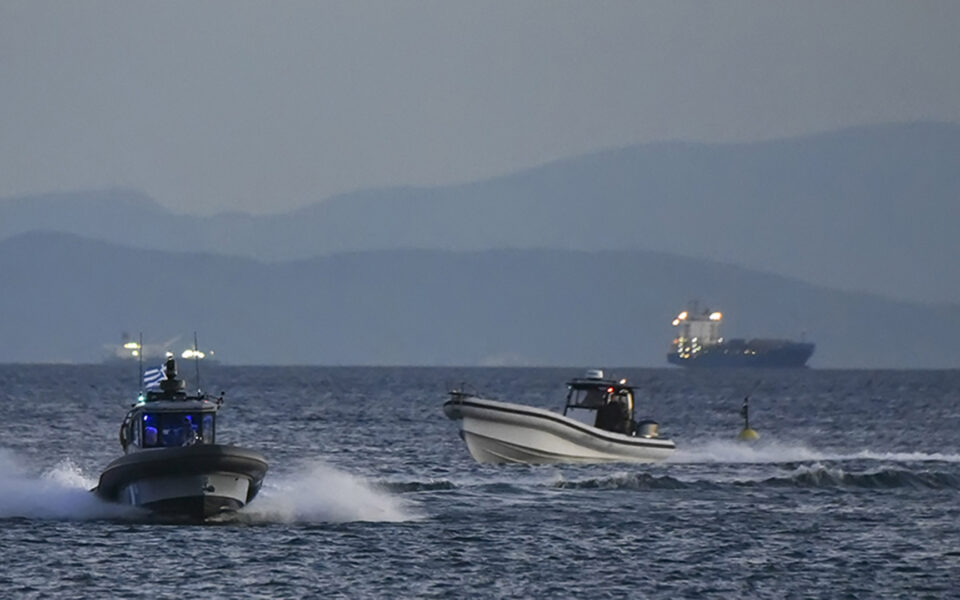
(594, 373)
(171, 384)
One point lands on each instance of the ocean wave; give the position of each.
(816, 475)
(407, 487)
(821, 476)
(623, 481)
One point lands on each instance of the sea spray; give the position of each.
(319, 493)
(60, 493)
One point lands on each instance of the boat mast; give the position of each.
(140, 364)
(196, 362)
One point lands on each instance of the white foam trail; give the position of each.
(814, 469)
(725, 451)
(731, 452)
(324, 494)
(902, 456)
(61, 493)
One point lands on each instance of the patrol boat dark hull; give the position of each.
(192, 483)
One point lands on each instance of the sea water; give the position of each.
(853, 490)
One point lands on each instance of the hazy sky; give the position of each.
(265, 106)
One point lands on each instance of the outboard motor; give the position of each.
(647, 429)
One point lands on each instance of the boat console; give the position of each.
(611, 400)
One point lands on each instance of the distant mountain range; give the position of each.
(872, 208)
(64, 296)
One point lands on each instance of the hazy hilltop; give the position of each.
(870, 208)
(64, 297)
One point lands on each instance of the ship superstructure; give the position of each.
(698, 343)
(696, 332)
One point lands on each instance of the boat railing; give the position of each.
(467, 391)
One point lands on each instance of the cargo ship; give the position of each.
(698, 344)
(131, 351)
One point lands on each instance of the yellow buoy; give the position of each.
(747, 434)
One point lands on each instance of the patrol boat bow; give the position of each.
(502, 432)
(172, 464)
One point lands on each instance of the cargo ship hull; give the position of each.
(752, 354)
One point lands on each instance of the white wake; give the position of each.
(733, 452)
(320, 493)
(60, 493)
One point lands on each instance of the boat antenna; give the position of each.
(140, 363)
(196, 359)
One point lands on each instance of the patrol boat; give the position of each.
(597, 425)
(172, 464)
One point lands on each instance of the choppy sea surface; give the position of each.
(853, 490)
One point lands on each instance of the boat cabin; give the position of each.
(168, 427)
(169, 417)
(610, 401)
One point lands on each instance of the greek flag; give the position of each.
(153, 377)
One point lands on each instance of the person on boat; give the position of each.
(614, 414)
(188, 432)
(179, 434)
(149, 436)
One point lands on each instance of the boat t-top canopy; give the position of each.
(609, 386)
(611, 399)
(589, 392)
